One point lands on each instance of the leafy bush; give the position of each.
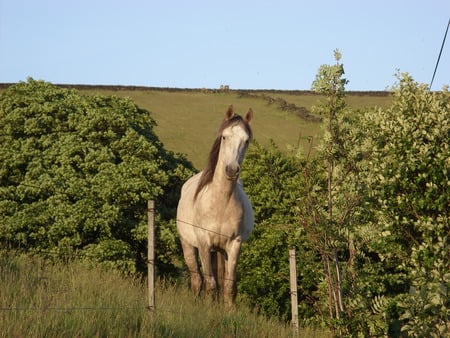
(410, 190)
(76, 173)
(391, 180)
(273, 182)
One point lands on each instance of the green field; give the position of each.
(188, 119)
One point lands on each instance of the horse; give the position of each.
(214, 215)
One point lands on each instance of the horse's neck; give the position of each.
(223, 186)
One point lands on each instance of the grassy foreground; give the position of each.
(43, 299)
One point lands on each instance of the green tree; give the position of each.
(76, 172)
(336, 216)
(321, 219)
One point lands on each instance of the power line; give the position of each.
(440, 53)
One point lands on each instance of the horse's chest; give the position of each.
(229, 214)
(224, 221)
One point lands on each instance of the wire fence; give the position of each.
(151, 262)
(44, 254)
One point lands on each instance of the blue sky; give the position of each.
(204, 44)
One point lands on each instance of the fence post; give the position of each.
(293, 281)
(151, 254)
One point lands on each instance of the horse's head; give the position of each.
(229, 148)
(235, 134)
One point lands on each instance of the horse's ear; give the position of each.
(249, 115)
(230, 112)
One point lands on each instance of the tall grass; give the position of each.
(39, 298)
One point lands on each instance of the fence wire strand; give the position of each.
(84, 255)
(200, 227)
(68, 309)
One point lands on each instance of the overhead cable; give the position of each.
(440, 53)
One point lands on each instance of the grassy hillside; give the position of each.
(188, 119)
(39, 298)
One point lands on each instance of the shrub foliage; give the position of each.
(76, 173)
(379, 263)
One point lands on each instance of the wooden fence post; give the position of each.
(293, 281)
(151, 255)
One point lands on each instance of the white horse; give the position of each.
(214, 214)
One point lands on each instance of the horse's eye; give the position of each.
(223, 137)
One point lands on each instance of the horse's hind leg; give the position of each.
(190, 257)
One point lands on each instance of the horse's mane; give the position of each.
(208, 172)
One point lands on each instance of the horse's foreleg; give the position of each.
(230, 289)
(208, 274)
(190, 257)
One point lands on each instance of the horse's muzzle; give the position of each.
(232, 171)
